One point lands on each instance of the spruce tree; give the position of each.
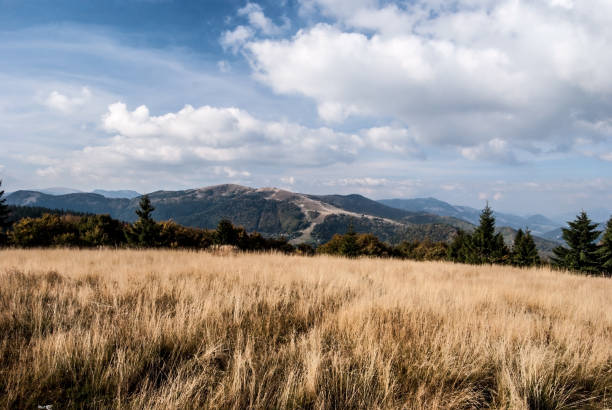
(581, 251)
(145, 231)
(4, 216)
(460, 249)
(226, 233)
(4, 211)
(488, 247)
(604, 252)
(349, 246)
(524, 251)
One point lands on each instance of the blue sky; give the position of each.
(507, 101)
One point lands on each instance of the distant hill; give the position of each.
(545, 246)
(595, 214)
(274, 212)
(17, 213)
(59, 191)
(557, 234)
(79, 202)
(271, 211)
(538, 224)
(117, 194)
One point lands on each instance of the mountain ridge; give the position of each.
(270, 211)
(538, 224)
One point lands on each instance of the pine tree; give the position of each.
(488, 246)
(145, 231)
(581, 251)
(4, 211)
(604, 252)
(226, 233)
(349, 246)
(524, 251)
(460, 248)
(4, 218)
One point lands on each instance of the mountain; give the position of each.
(557, 234)
(595, 214)
(59, 191)
(538, 224)
(117, 194)
(544, 245)
(79, 202)
(270, 211)
(274, 212)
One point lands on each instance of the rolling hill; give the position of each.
(538, 224)
(270, 211)
(275, 212)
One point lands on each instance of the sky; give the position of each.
(467, 101)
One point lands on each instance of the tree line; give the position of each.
(35, 227)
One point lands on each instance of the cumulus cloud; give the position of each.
(258, 22)
(359, 182)
(393, 139)
(257, 19)
(66, 104)
(288, 180)
(234, 39)
(464, 75)
(222, 140)
(496, 150)
(607, 156)
(230, 172)
(220, 135)
(224, 66)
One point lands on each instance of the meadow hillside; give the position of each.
(176, 329)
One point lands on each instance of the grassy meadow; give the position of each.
(173, 329)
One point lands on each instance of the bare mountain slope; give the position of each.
(271, 211)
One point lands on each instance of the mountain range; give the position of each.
(124, 193)
(538, 224)
(273, 212)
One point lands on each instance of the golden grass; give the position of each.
(170, 329)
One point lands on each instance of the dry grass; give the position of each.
(163, 329)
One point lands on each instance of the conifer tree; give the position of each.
(460, 249)
(145, 231)
(4, 211)
(524, 251)
(349, 246)
(488, 246)
(581, 251)
(226, 233)
(604, 252)
(4, 218)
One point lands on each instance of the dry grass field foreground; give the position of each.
(170, 329)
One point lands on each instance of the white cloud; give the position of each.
(47, 172)
(230, 172)
(226, 139)
(234, 39)
(66, 104)
(224, 66)
(607, 156)
(221, 134)
(496, 150)
(392, 139)
(288, 180)
(258, 19)
(463, 75)
(566, 4)
(451, 187)
(359, 182)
